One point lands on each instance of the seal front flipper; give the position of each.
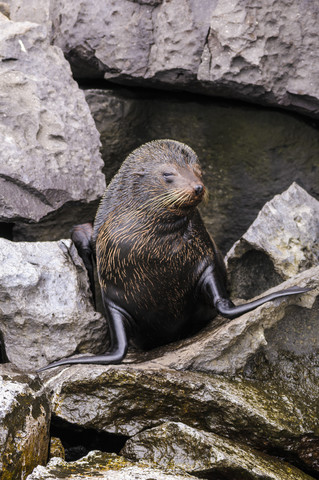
(119, 342)
(214, 293)
(81, 235)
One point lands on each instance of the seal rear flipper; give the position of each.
(119, 343)
(215, 294)
(81, 235)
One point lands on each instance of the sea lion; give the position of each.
(161, 275)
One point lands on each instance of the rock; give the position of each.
(207, 454)
(46, 310)
(261, 53)
(248, 155)
(24, 423)
(35, 11)
(117, 115)
(102, 466)
(265, 53)
(48, 141)
(281, 242)
(56, 448)
(225, 346)
(159, 41)
(5, 9)
(128, 399)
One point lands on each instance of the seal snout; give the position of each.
(199, 189)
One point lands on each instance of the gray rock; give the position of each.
(102, 466)
(24, 423)
(46, 311)
(207, 454)
(35, 11)
(281, 242)
(49, 144)
(262, 53)
(119, 118)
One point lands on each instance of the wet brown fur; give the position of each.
(151, 244)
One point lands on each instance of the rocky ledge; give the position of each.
(264, 52)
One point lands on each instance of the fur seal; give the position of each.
(161, 275)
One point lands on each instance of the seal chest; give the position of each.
(146, 236)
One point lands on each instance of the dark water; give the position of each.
(248, 153)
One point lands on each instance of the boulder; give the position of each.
(265, 53)
(49, 144)
(206, 454)
(261, 53)
(128, 399)
(281, 242)
(24, 423)
(46, 310)
(225, 346)
(103, 466)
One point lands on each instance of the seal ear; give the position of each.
(139, 173)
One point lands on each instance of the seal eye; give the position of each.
(168, 176)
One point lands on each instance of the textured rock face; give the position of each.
(267, 51)
(196, 451)
(282, 241)
(45, 305)
(259, 52)
(128, 399)
(24, 424)
(102, 466)
(161, 41)
(49, 145)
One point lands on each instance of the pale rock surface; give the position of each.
(280, 243)
(46, 310)
(225, 346)
(49, 144)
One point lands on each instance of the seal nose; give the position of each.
(198, 189)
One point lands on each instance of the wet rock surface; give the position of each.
(263, 53)
(206, 454)
(128, 399)
(49, 144)
(102, 466)
(46, 309)
(24, 423)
